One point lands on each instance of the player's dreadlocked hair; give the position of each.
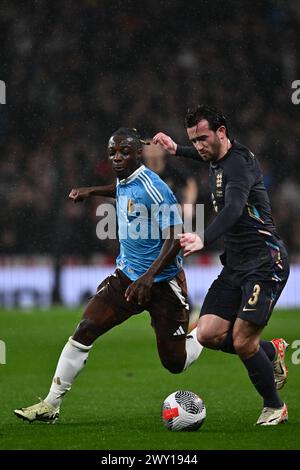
(133, 133)
(214, 117)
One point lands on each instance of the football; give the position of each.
(183, 411)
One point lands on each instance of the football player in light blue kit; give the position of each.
(146, 207)
(148, 276)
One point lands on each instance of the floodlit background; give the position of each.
(76, 71)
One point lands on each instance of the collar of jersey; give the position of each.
(133, 175)
(233, 146)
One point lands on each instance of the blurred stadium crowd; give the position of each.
(76, 71)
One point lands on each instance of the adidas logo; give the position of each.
(179, 332)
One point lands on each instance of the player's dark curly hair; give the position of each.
(133, 133)
(213, 116)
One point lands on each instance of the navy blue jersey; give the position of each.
(243, 210)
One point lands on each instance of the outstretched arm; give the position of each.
(240, 176)
(140, 289)
(80, 194)
(235, 202)
(174, 149)
(229, 215)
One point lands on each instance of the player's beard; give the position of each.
(214, 153)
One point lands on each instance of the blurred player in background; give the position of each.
(240, 301)
(180, 180)
(149, 276)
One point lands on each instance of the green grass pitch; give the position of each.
(115, 403)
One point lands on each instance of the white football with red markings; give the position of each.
(183, 411)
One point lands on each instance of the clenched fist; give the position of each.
(80, 194)
(166, 142)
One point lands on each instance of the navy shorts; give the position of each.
(251, 299)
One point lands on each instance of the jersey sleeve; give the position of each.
(240, 174)
(188, 152)
(240, 177)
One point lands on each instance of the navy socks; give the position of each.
(227, 346)
(260, 371)
(268, 348)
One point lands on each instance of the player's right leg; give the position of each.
(218, 313)
(107, 308)
(169, 310)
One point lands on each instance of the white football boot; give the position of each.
(40, 412)
(273, 416)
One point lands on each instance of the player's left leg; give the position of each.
(170, 314)
(106, 309)
(263, 296)
(259, 298)
(282, 271)
(246, 337)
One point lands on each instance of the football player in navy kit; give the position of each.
(255, 266)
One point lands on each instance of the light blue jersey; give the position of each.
(146, 207)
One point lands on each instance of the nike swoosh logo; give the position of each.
(248, 309)
(40, 415)
(279, 369)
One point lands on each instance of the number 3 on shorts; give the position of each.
(254, 297)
